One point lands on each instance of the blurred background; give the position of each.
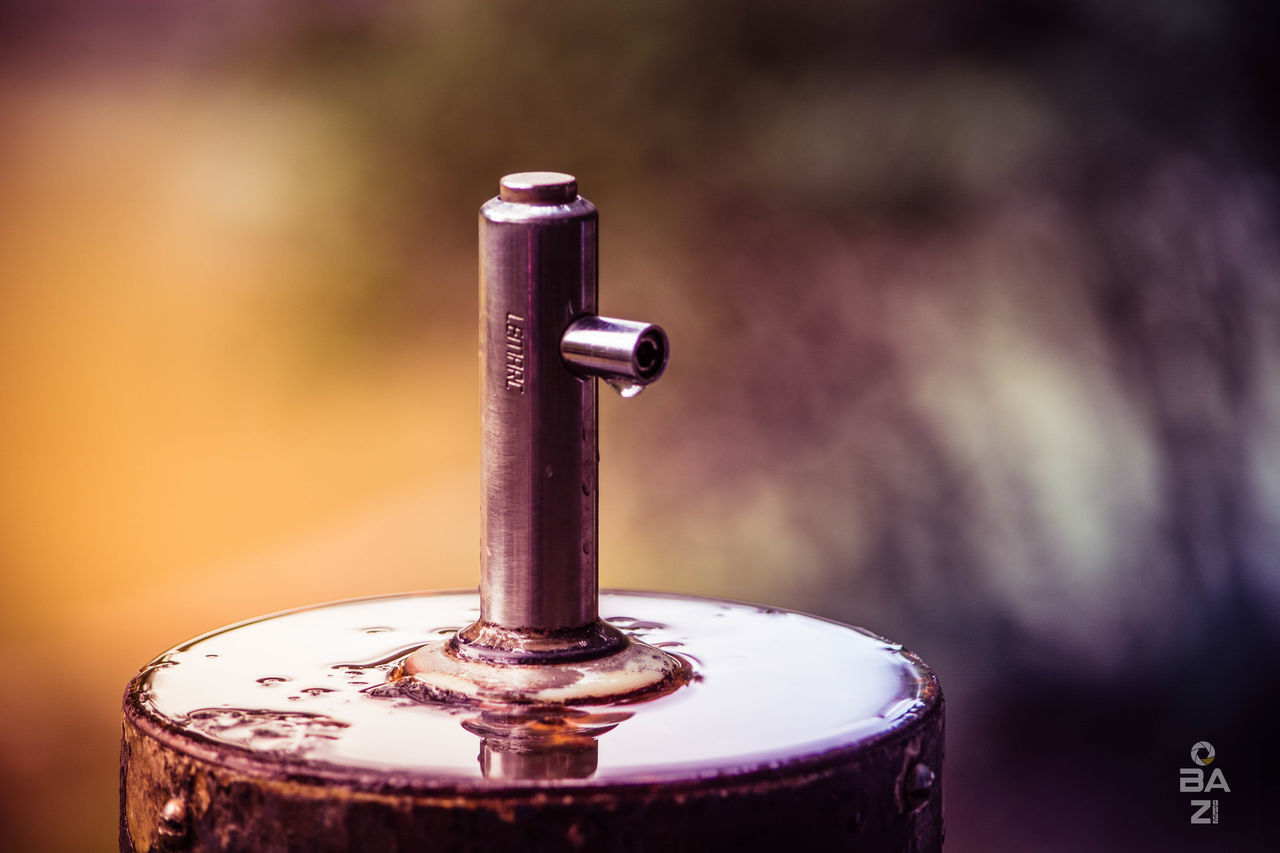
(975, 312)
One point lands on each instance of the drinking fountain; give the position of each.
(540, 713)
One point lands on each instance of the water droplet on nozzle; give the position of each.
(626, 388)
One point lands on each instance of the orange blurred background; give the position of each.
(975, 339)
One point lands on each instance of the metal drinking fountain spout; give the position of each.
(542, 345)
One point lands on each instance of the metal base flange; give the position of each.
(436, 673)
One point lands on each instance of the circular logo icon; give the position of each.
(1202, 753)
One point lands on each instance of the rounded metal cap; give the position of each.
(538, 188)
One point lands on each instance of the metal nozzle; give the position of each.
(627, 354)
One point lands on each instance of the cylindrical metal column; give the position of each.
(537, 275)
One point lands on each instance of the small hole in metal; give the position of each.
(650, 355)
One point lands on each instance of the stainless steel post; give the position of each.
(538, 266)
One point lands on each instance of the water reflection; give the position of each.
(320, 686)
(541, 742)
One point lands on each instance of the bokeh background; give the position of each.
(975, 311)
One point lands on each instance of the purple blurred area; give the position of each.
(975, 314)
